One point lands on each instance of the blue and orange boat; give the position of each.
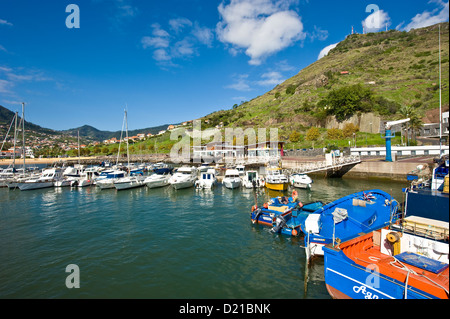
(346, 218)
(408, 260)
(284, 214)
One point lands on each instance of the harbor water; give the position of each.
(157, 243)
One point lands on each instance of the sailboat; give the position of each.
(136, 178)
(107, 179)
(14, 181)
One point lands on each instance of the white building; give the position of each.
(399, 150)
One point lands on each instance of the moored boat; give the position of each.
(136, 179)
(162, 168)
(347, 217)
(390, 264)
(45, 180)
(157, 180)
(284, 214)
(276, 180)
(252, 179)
(184, 177)
(301, 181)
(207, 179)
(231, 179)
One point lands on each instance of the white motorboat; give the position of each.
(252, 179)
(129, 182)
(207, 179)
(64, 182)
(301, 181)
(231, 179)
(47, 178)
(184, 177)
(107, 178)
(241, 170)
(157, 180)
(87, 178)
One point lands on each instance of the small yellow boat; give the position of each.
(276, 180)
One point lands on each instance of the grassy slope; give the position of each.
(403, 65)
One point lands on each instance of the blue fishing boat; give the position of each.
(409, 260)
(347, 217)
(283, 214)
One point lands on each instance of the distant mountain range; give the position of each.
(93, 133)
(86, 132)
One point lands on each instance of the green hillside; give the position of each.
(386, 70)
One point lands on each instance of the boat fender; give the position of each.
(266, 206)
(294, 232)
(394, 239)
(254, 207)
(294, 195)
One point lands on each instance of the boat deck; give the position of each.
(364, 252)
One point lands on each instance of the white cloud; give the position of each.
(155, 42)
(179, 24)
(376, 21)
(319, 34)
(271, 78)
(240, 83)
(325, 50)
(203, 34)
(5, 86)
(181, 43)
(428, 18)
(4, 22)
(261, 27)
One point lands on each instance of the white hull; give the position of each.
(63, 183)
(84, 183)
(157, 181)
(183, 184)
(34, 185)
(206, 185)
(156, 184)
(128, 183)
(105, 184)
(301, 185)
(231, 183)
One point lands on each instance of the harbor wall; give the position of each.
(382, 169)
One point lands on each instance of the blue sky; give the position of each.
(175, 60)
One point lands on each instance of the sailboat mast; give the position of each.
(15, 138)
(23, 135)
(78, 134)
(126, 125)
(440, 96)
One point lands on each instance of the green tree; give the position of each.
(290, 89)
(294, 137)
(334, 134)
(349, 129)
(346, 101)
(312, 134)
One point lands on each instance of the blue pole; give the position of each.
(388, 146)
